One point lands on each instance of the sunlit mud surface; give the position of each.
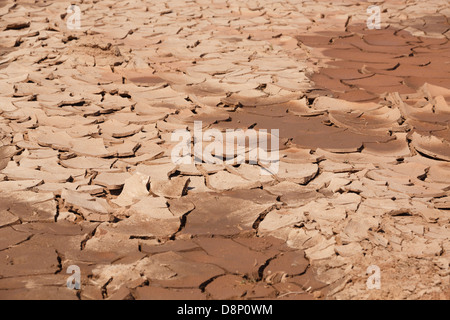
(87, 176)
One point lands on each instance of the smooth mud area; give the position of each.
(362, 64)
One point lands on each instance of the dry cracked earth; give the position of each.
(87, 177)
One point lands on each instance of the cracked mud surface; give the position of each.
(86, 176)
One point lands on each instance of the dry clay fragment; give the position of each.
(123, 238)
(119, 129)
(234, 257)
(430, 215)
(189, 274)
(91, 189)
(277, 219)
(148, 151)
(439, 173)
(174, 188)
(323, 250)
(152, 208)
(6, 186)
(327, 104)
(157, 171)
(87, 163)
(6, 105)
(357, 229)
(229, 287)
(252, 173)
(224, 215)
(179, 207)
(90, 148)
(421, 248)
(14, 172)
(7, 218)
(31, 206)
(126, 273)
(18, 25)
(135, 187)
(84, 202)
(443, 203)
(152, 220)
(300, 173)
(126, 149)
(56, 140)
(43, 153)
(112, 180)
(28, 260)
(10, 237)
(197, 185)
(286, 264)
(286, 187)
(431, 146)
(224, 180)
(349, 250)
(6, 152)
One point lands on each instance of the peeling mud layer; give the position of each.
(86, 171)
